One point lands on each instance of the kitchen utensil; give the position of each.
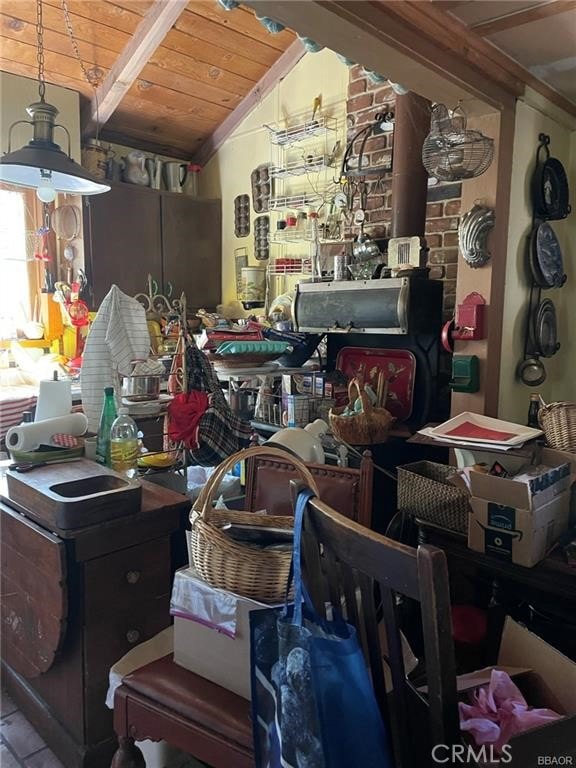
(253, 284)
(473, 232)
(154, 168)
(446, 336)
(242, 215)
(404, 252)
(27, 466)
(75, 494)
(531, 372)
(140, 388)
(398, 367)
(135, 168)
(545, 329)
(66, 221)
(546, 258)
(95, 157)
(175, 176)
(550, 192)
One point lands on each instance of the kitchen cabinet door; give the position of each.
(192, 249)
(123, 240)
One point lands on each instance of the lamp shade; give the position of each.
(23, 168)
(43, 159)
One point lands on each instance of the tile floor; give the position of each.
(20, 745)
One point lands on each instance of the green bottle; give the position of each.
(106, 421)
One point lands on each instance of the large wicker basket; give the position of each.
(371, 425)
(245, 570)
(558, 420)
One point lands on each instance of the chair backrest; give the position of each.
(347, 490)
(345, 564)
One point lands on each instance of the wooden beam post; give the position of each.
(281, 67)
(149, 34)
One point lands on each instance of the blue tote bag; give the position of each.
(313, 705)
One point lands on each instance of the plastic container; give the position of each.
(106, 420)
(124, 445)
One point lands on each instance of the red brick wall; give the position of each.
(365, 100)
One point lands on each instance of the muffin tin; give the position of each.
(261, 238)
(242, 215)
(261, 188)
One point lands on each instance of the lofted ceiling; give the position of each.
(207, 63)
(174, 76)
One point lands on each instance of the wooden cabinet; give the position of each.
(131, 232)
(103, 589)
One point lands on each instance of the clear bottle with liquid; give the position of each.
(124, 445)
(106, 421)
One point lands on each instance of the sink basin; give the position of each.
(88, 486)
(74, 495)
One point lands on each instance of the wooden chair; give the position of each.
(165, 701)
(346, 565)
(346, 489)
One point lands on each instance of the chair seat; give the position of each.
(194, 698)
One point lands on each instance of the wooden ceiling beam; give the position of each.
(275, 74)
(525, 16)
(148, 36)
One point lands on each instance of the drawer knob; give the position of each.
(132, 636)
(132, 577)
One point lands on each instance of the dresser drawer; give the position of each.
(115, 582)
(105, 644)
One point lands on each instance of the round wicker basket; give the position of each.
(558, 420)
(369, 426)
(224, 563)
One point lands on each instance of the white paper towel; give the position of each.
(54, 399)
(27, 437)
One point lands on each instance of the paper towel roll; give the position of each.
(54, 399)
(27, 437)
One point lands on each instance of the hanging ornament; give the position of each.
(270, 25)
(310, 45)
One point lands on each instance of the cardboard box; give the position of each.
(212, 631)
(521, 536)
(547, 679)
(530, 490)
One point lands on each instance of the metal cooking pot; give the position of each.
(141, 388)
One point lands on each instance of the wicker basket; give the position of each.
(369, 426)
(558, 420)
(424, 492)
(224, 563)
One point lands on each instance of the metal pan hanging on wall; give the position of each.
(546, 260)
(545, 329)
(550, 191)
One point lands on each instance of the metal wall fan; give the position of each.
(451, 152)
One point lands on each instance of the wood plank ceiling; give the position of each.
(539, 35)
(206, 64)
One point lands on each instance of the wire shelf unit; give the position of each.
(306, 130)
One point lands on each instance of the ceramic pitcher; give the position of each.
(175, 176)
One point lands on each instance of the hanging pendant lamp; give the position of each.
(41, 164)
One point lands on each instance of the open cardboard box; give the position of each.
(546, 678)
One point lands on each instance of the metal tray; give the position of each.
(398, 365)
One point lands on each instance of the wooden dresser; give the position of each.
(73, 603)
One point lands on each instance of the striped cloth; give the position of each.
(119, 334)
(13, 402)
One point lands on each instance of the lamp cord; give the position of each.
(40, 51)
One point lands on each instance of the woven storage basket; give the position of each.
(369, 426)
(558, 420)
(224, 563)
(424, 492)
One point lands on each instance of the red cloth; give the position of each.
(184, 414)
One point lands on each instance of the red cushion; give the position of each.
(194, 698)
